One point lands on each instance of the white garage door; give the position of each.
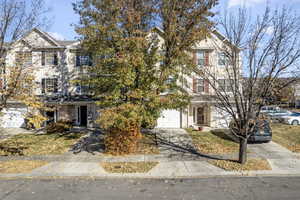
(13, 118)
(169, 119)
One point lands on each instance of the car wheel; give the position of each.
(295, 122)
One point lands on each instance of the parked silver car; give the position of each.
(292, 119)
(278, 114)
(269, 109)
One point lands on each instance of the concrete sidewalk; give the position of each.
(177, 159)
(165, 169)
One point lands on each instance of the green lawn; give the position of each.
(287, 136)
(213, 142)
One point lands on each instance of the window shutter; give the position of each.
(90, 60)
(194, 85)
(206, 58)
(43, 85)
(55, 58)
(195, 57)
(77, 60)
(55, 85)
(43, 58)
(206, 86)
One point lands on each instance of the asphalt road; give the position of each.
(140, 189)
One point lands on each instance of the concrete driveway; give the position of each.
(280, 158)
(271, 150)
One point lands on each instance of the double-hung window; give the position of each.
(49, 85)
(222, 84)
(82, 89)
(222, 59)
(24, 58)
(83, 59)
(49, 58)
(225, 85)
(200, 85)
(200, 56)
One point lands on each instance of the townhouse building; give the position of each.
(203, 110)
(57, 64)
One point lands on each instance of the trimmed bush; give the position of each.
(59, 126)
(122, 125)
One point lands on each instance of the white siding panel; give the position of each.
(169, 119)
(13, 118)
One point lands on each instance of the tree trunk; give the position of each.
(243, 151)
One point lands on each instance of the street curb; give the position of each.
(124, 176)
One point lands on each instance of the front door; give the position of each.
(200, 115)
(82, 115)
(51, 116)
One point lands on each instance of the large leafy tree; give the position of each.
(17, 83)
(139, 70)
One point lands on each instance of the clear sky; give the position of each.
(62, 14)
(62, 17)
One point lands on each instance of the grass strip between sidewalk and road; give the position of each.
(213, 142)
(20, 166)
(287, 136)
(42, 144)
(128, 167)
(251, 164)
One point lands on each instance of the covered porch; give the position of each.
(199, 115)
(81, 114)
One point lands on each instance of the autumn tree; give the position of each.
(258, 51)
(18, 17)
(137, 67)
(282, 91)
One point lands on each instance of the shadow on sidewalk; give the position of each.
(182, 147)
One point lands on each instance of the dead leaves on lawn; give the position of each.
(20, 166)
(251, 164)
(128, 167)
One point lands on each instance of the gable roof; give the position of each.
(215, 32)
(46, 36)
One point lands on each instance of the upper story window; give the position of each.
(225, 85)
(83, 59)
(170, 80)
(49, 58)
(24, 58)
(222, 59)
(81, 89)
(200, 85)
(200, 57)
(49, 85)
